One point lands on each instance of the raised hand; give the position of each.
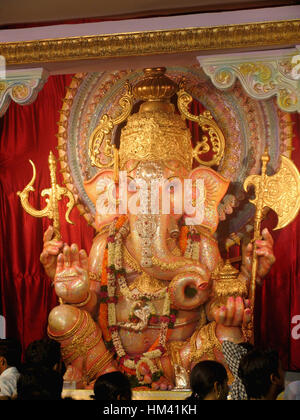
(265, 255)
(50, 252)
(71, 279)
(235, 313)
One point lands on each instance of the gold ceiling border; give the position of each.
(225, 37)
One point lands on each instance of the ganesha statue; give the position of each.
(154, 296)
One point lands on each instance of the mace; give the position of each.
(281, 193)
(54, 193)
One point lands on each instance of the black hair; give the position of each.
(247, 346)
(10, 349)
(39, 383)
(255, 371)
(44, 352)
(112, 386)
(203, 377)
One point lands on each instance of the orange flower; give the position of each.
(103, 310)
(121, 221)
(183, 238)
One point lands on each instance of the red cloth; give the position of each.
(28, 132)
(278, 300)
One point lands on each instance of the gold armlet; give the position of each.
(94, 277)
(208, 342)
(99, 365)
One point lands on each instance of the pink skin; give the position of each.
(235, 313)
(229, 318)
(161, 251)
(73, 263)
(50, 252)
(265, 255)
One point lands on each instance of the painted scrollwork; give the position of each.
(261, 77)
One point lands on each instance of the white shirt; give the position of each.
(8, 382)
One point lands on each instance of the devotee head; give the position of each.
(112, 386)
(39, 383)
(262, 374)
(208, 381)
(10, 354)
(44, 352)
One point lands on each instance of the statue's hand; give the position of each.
(235, 313)
(265, 255)
(50, 252)
(71, 278)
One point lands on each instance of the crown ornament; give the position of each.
(156, 132)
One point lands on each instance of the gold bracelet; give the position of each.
(69, 333)
(85, 302)
(99, 365)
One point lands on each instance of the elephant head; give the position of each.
(156, 152)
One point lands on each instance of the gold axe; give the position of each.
(54, 193)
(281, 193)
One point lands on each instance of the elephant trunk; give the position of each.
(190, 279)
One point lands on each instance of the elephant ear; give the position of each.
(100, 190)
(215, 187)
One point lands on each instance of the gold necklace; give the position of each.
(144, 283)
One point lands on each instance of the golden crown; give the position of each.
(155, 132)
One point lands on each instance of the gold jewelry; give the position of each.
(209, 342)
(94, 276)
(85, 302)
(170, 266)
(99, 365)
(81, 342)
(69, 333)
(144, 282)
(130, 261)
(227, 281)
(104, 229)
(173, 349)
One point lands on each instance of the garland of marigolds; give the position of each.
(113, 274)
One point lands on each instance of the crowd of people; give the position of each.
(258, 375)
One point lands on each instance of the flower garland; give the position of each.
(189, 243)
(114, 274)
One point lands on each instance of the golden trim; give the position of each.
(98, 367)
(225, 37)
(85, 302)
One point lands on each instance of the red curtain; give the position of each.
(278, 301)
(28, 132)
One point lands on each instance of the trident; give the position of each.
(55, 193)
(281, 193)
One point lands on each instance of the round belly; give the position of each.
(136, 343)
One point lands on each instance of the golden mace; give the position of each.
(54, 193)
(281, 193)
